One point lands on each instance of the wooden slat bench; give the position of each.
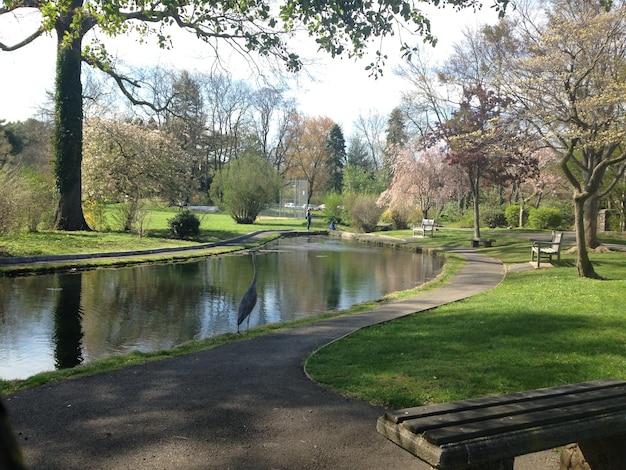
(546, 248)
(488, 433)
(428, 226)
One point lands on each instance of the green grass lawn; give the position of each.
(214, 227)
(538, 328)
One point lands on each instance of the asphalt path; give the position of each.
(245, 405)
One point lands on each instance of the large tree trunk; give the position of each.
(590, 216)
(583, 263)
(68, 132)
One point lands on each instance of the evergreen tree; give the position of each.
(336, 149)
(358, 154)
(396, 139)
(186, 123)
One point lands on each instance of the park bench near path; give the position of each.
(548, 249)
(427, 227)
(488, 433)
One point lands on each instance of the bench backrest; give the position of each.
(556, 240)
(428, 223)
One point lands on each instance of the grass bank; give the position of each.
(213, 228)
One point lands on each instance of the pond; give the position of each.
(61, 320)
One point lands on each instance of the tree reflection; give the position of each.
(68, 332)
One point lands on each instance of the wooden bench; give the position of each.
(487, 242)
(427, 226)
(547, 248)
(488, 433)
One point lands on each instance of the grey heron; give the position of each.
(248, 301)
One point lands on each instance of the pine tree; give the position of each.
(336, 148)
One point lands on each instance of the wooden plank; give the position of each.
(398, 416)
(566, 416)
(594, 397)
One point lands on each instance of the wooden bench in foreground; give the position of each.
(488, 433)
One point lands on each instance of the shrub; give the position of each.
(246, 185)
(38, 200)
(400, 218)
(545, 218)
(10, 196)
(184, 225)
(334, 206)
(512, 216)
(95, 211)
(494, 217)
(363, 211)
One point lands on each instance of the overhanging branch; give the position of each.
(123, 83)
(26, 41)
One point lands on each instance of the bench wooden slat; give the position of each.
(474, 452)
(517, 407)
(398, 416)
(454, 432)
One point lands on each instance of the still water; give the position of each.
(62, 320)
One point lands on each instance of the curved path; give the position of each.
(245, 405)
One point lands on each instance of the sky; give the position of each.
(342, 90)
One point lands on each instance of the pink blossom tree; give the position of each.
(421, 180)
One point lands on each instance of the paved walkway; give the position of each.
(245, 405)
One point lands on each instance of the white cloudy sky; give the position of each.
(343, 90)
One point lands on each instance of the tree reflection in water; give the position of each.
(68, 331)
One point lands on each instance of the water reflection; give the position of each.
(68, 332)
(61, 320)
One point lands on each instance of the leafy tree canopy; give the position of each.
(338, 26)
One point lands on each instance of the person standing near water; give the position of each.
(308, 219)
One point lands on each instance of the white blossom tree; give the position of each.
(126, 162)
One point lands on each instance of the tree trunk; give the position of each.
(590, 216)
(68, 132)
(476, 216)
(475, 188)
(583, 263)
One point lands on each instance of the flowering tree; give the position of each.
(126, 162)
(483, 141)
(421, 179)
